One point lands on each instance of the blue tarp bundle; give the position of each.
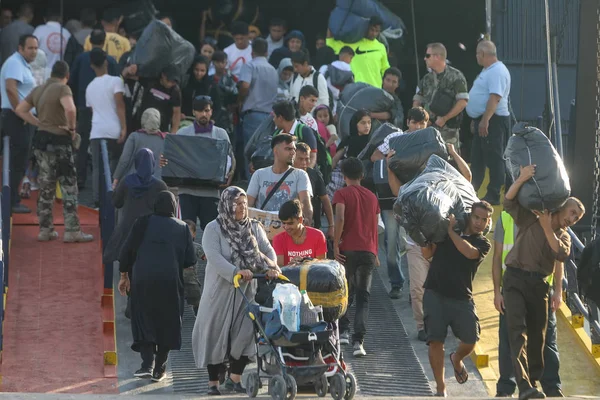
(349, 20)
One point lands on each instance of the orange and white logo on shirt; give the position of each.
(53, 43)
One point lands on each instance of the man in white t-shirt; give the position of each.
(309, 96)
(104, 95)
(240, 52)
(53, 38)
(295, 184)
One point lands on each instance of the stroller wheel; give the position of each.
(337, 386)
(292, 387)
(252, 384)
(350, 386)
(322, 386)
(278, 388)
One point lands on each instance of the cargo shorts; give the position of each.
(441, 312)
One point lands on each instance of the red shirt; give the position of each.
(314, 245)
(360, 218)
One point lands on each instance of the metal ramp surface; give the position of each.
(391, 367)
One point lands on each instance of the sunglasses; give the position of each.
(428, 55)
(203, 97)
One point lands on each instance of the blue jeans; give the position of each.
(393, 239)
(550, 378)
(250, 122)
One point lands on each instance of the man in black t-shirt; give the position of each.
(319, 189)
(448, 299)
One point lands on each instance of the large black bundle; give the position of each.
(234, 10)
(137, 15)
(324, 282)
(424, 204)
(160, 46)
(195, 161)
(550, 187)
(357, 96)
(376, 138)
(349, 21)
(258, 149)
(413, 150)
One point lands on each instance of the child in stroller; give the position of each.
(287, 358)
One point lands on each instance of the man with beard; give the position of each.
(201, 201)
(271, 187)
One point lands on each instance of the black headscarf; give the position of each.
(165, 204)
(354, 142)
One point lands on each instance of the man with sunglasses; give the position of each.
(443, 93)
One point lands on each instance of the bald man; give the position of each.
(488, 106)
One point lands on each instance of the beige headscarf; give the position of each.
(151, 122)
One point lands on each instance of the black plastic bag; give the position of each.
(349, 21)
(325, 284)
(357, 96)
(258, 149)
(550, 187)
(413, 150)
(160, 46)
(195, 161)
(424, 204)
(376, 139)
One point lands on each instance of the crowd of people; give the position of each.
(64, 90)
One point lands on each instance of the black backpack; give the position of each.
(316, 86)
(588, 272)
(324, 161)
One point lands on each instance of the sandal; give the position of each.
(461, 376)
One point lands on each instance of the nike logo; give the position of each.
(359, 51)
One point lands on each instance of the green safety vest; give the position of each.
(509, 240)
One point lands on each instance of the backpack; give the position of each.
(324, 161)
(316, 86)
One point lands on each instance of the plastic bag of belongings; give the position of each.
(424, 204)
(195, 160)
(258, 149)
(349, 20)
(357, 96)
(324, 282)
(550, 187)
(413, 151)
(160, 46)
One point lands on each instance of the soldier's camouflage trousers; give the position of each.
(57, 165)
(451, 135)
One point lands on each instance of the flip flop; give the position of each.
(461, 376)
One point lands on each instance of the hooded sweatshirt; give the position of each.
(283, 89)
(285, 52)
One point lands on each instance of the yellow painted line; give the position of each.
(583, 339)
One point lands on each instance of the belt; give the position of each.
(254, 111)
(522, 272)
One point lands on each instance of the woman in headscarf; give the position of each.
(285, 71)
(157, 250)
(134, 196)
(200, 84)
(358, 139)
(149, 137)
(233, 244)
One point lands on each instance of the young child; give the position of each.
(324, 116)
(192, 288)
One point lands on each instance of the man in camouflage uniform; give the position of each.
(53, 148)
(443, 93)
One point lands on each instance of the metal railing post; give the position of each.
(6, 209)
(107, 211)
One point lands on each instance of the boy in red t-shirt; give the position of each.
(355, 246)
(298, 241)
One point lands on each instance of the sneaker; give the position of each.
(158, 375)
(395, 293)
(359, 350)
(47, 235)
(344, 338)
(77, 237)
(231, 386)
(20, 209)
(531, 393)
(213, 391)
(422, 335)
(144, 373)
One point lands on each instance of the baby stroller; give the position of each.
(288, 359)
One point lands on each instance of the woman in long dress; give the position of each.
(157, 250)
(233, 244)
